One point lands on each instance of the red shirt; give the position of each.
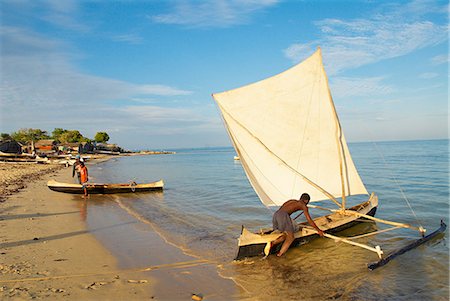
(83, 173)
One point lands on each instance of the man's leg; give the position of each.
(280, 239)
(275, 242)
(85, 190)
(289, 238)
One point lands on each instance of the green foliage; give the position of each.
(101, 137)
(5, 136)
(60, 135)
(70, 136)
(28, 135)
(57, 132)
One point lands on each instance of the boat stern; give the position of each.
(253, 244)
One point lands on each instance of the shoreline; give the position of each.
(50, 250)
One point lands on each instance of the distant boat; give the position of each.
(288, 137)
(95, 188)
(236, 158)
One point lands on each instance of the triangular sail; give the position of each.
(288, 137)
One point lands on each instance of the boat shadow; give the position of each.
(34, 215)
(36, 240)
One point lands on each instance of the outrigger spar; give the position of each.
(288, 137)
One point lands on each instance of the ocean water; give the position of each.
(207, 198)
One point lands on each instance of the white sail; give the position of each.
(288, 137)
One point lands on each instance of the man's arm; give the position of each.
(311, 221)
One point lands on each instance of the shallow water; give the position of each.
(207, 198)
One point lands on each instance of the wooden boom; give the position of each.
(376, 249)
(351, 212)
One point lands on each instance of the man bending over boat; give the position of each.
(282, 221)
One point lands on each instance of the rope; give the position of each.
(373, 233)
(330, 196)
(302, 143)
(243, 160)
(133, 185)
(398, 184)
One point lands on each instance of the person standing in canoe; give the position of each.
(82, 170)
(282, 221)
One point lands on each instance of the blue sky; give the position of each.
(144, 71)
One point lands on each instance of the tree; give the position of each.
(71, 136)
(101, 137)
(28, 135)
(57, 132)
(5, 137)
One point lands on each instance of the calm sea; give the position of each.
(207, 198)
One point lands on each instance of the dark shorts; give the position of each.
(282, 221)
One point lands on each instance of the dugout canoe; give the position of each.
(97, 188)
(254, 244)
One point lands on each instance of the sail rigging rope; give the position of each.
(373, 233)
(329, 195)
(398, 184)
(243, 160)
(302, 143)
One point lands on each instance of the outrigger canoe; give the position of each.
(95, 188)
(287, 134)
(255, 244)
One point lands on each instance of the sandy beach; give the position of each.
(47, 250)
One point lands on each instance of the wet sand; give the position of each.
(47, 250)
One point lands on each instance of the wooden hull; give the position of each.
(253, 244)
(94, 188)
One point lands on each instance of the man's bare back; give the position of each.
(292, 206)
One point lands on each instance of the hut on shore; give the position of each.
(46, 146)
(86, 148)
(10, 147)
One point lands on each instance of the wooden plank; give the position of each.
(374, 265)
(352, 212)
(376, 249)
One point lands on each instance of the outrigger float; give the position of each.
(287, 134)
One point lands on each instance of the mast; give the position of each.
(339, 143)
(288, 137)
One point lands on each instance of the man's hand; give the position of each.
(320, 232)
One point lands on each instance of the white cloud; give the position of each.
(65, 7)
(63, 14)
(41, 88)
(350, 44)
(66, 21)
(344, 87)
(160, 90)
(43, 72)
(128, 38)
(440, 59)
(428, 75)
(212, 13)
(160, 115)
